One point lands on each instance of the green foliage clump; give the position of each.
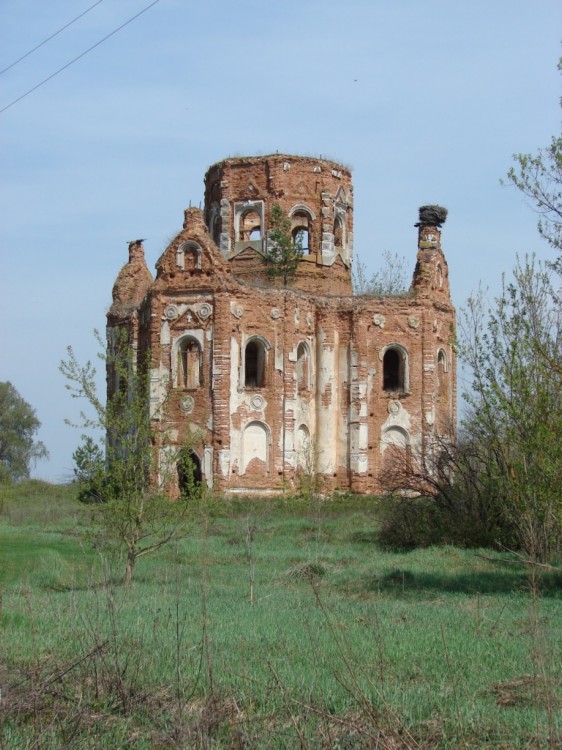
(514, 417)
(89, 471)
(283, 252)
(18, 426)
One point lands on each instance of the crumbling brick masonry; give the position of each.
(276, 382)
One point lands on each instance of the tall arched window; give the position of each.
(338, 233)
(250, 225)
(189, 363)
(442, 386)
(395, 370)
(303, 368)
(216, 229)
(301, 240)
(254, 364)
(301, 226)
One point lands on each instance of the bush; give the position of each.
(407, 523)
(460, 516)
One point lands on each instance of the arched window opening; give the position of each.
(250, 226)
(301, 225)
(338, 233)
(216, 230)
(189, 472)
(441, 375)
(301, 240)
(394, 370)
(189, 363)
(303, 368)
(254, 364)
(188, 256)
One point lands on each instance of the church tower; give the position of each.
(317, 196)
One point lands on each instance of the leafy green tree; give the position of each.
(515, 413)
(18, 426)
(283, 251)
(133, 515)
(501, 483)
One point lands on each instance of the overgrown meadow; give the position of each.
(276, 623)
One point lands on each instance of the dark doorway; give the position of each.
(189, 472)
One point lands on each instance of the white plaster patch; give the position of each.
(208, 465)
(396, 436)
(397, 417)
(254, 444)
(224, 462)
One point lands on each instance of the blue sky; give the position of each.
(425, 101)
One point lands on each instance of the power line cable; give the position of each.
(48, 39)
(78, 57)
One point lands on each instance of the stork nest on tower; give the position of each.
(432, 216)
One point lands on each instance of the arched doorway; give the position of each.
(189, 472)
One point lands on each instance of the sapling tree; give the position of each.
(133, 514)
(389, 279)
(89, 470)
(283, 251)
(516, 402)
(500, 483)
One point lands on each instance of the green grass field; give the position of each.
(310, 637)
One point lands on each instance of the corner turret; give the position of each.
(131, 285)
(431, 276)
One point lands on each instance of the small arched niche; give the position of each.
(189, 363)
(255, 448)
(303, 367)
(339, 234)
(305, 459)
(188, 256)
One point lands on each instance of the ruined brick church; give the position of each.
(263, 382)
